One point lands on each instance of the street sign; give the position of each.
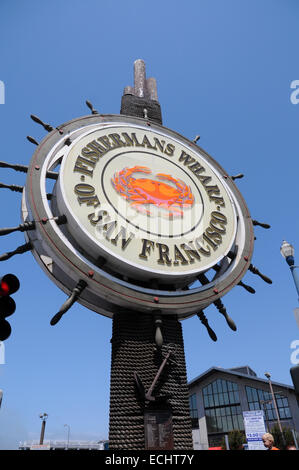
(296, 313)
(254, 424)
(145, 211)
(158, 430)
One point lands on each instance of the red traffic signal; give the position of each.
(9, 284)
(5, 329)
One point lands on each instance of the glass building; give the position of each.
(218, 398)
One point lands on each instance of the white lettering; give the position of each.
(115, 460)
(2, 92)
(295, 354)
(2, 353)
(161, 459)
(294, 95)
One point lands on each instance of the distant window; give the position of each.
(261, 400)
(222, 406)
(193, 411)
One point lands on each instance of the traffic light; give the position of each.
(9, 284)
(295, 377)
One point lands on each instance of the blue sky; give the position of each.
(224, 71)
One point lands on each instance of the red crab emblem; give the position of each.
(143, 191)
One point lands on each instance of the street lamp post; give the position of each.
(43, 417)
(287, 251)
(264, 403)
(68, 434)
(275, 405)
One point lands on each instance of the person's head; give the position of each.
(268, 440)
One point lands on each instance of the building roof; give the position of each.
(244, 370)
(236, 372)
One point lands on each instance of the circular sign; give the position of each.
(146, 202)
(129, 215)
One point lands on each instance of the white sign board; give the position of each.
(40, 447)
(254, 424)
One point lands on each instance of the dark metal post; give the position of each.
(275, 406)
(42, 433)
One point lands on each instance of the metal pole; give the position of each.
(295, 439)
(68, 435)
(275, 406)
(264, 402)
(42, 433)
(43, 417)
(295, 277)
(226, 442)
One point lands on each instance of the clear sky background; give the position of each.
(224, 70)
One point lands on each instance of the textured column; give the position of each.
(134, 350)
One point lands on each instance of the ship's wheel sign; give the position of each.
(145, 202)
(135, 214)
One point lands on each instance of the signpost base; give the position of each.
(138, 423)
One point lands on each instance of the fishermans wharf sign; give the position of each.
(138, 223)
(147, 212)
(145, 201)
